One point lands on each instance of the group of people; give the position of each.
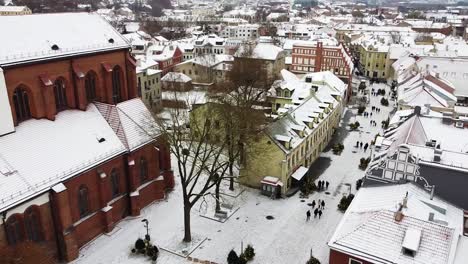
(374, 92)
(360, 144)
(373, 123)
(367, 114)
(322, 185)
(317, 211)
(376, 109)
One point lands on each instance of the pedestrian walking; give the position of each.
(313, 204)
(320, 213)
(308, 215)
(360, 144)
(315, 212)
(323, 204)
(370, 114)
(366, 146)
(326, 184)
(357, 144)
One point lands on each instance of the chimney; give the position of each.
(399, 214)
(417, 110)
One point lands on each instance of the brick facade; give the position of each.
(38, 78)
(337, 257)
(63, 230)
(308, 58)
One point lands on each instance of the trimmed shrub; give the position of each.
(232, 258)
(140, 244)
(361, 109)
(313, 260)
(354, 126)
(363, 163)
(249, 252)
(338, 148)
(384, 102)
(242, 259)
(345, 202)
(145, 247)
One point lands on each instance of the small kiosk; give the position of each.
(271, 186)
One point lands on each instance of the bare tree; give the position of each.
(242, 97)
(201, 162)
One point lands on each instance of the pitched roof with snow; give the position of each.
(47, 36)
(370, 232)
(42, 153)
(307, 108)
(176, 77)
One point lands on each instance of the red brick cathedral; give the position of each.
(78, 149)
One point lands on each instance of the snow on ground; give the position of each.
(288, 238)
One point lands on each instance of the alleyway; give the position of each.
(287, 238)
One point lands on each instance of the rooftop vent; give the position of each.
(55, 47)
(100, 140)
(111, 40)
(411, 241)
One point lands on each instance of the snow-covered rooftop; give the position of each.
(42, 153)
(45, 36)
(369, 230)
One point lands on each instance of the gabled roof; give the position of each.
(131, 121)
(32, 37)
(369, 230)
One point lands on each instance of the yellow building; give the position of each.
(14, 10)
(282, 154)
(373, 60)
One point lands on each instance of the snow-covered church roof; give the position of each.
(45, 36)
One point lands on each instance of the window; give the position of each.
(116, 85)
(60, 95)
(115, 181)
(32, 224)
(143, 170)
(21, 103)
(353, 261)
(83, 200)
(14, 230)
(90, 86)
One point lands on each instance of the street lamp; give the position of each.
(147, 237)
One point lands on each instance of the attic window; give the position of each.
(55, 47)
(308, 79)
(111, 40)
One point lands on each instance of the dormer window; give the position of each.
(55, 47)
(308, 79)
